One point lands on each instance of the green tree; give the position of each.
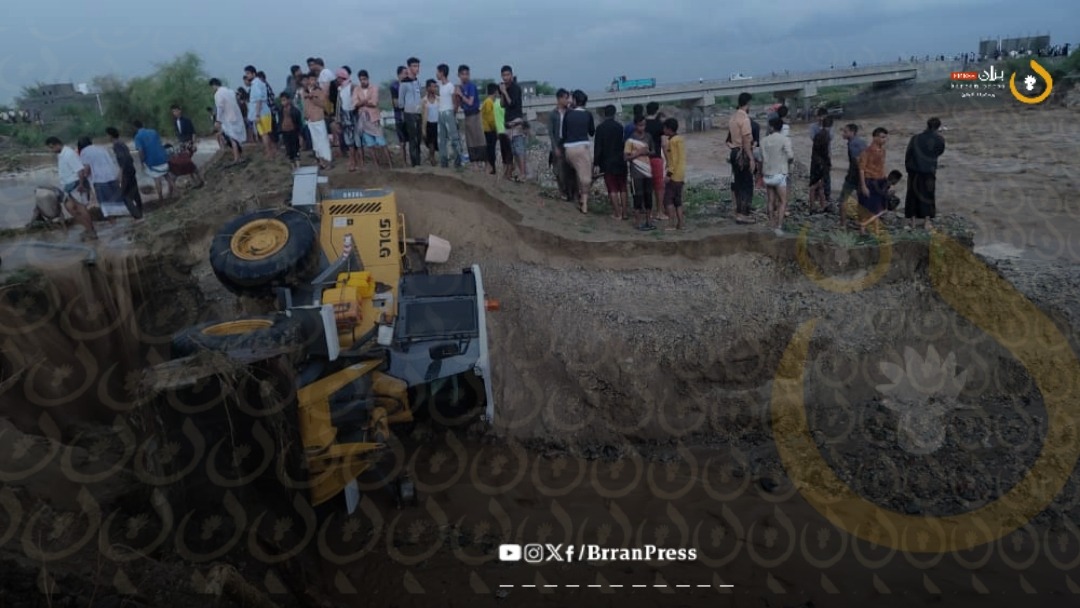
(181, 81)
(545, 88)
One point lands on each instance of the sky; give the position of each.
(568, 43)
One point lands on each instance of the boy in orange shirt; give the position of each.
(676, 174)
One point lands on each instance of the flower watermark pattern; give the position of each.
(923, 392)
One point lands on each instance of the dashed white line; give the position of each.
(609, 586)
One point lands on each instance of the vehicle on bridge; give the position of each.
(622, 84)
(740, 76)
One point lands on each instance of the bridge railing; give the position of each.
(773, 78)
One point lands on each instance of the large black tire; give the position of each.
(250, 335)
(279, 260)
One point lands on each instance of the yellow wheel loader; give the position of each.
(372, 336)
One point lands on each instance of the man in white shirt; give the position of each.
(346, 117)
(325, 79)
(230, 120)
(70, 167)
(448, 130)
(102, 171)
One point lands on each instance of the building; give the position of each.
(46, 103)
(528, 88)
(988, 47)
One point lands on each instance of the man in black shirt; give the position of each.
(608, 157)
(921, 162)
(515, 118)
(654, 126)
(185, 130)
(129, 183)
(564, 176)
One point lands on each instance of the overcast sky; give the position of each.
(566, 42)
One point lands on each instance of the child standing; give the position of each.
(429, 108)
(676, 174)
(487, 121)
(505, 150)
(291, 123)
(777, 154)
(636, 152)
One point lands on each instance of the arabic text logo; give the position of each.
(1029, 82)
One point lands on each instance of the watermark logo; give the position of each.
(509, 553)
(1029, 85)
(966, 284)
(978, 84)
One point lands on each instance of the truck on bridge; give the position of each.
(622, 84)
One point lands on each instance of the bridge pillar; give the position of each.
(808, 92)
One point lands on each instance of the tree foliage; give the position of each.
(181, 81)
(149, 99)
(545, 88)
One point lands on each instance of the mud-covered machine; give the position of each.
(372, 336)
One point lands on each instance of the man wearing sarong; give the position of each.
(154, 158)
(369, 129)
(921, 161)
(740, 143)
(346, 119)
(565, 177)
(873, 180)
(316, 101)
(230, 120)
(469, 101)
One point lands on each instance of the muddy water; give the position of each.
(17, 191)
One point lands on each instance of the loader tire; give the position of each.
(248, 335)
(256, 252)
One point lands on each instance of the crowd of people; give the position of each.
(324, 109)
(868, 192)
(642, 163)
(91, 176)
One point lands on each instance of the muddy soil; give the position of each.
(635, 382)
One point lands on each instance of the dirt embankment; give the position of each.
(613, 354)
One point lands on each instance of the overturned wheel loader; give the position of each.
(372, 338)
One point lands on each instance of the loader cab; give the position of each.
(362, 242)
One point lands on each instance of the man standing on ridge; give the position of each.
(469, 100)
(559, 166)
(516, 125)
(921, 162)
(230, 119)
(410, 95)
(855, 147)
(259, 109)
(449, 138)
(741, 156)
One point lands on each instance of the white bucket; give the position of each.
(386, 335)
(438, 250)
(114, 209)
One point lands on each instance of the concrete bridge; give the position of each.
(702, 94)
